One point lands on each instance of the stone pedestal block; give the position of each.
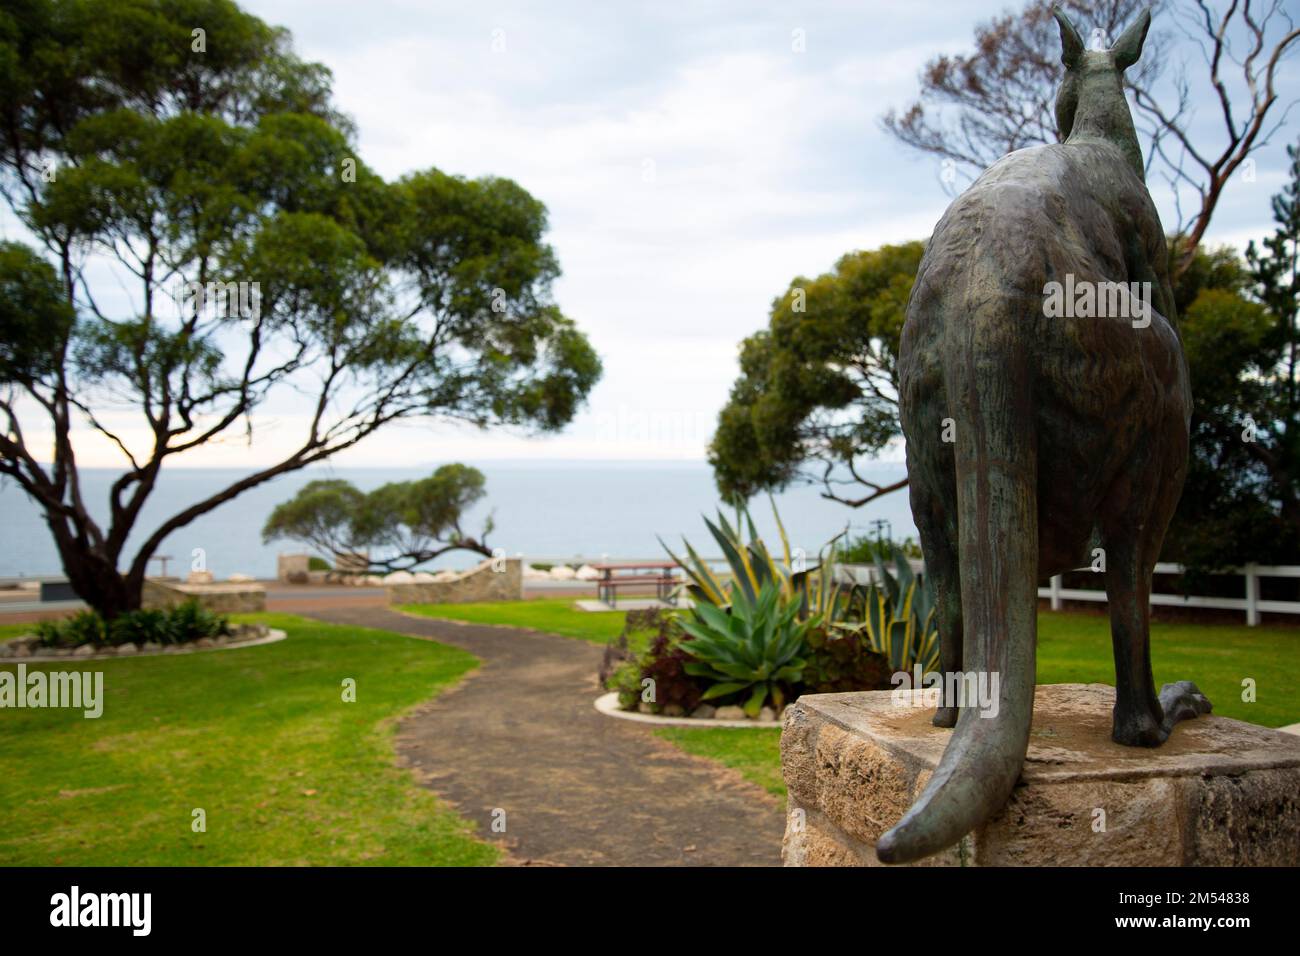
(1219, 792)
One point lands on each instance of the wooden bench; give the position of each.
(607, 585)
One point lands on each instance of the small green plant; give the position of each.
(626, 680)
(177, 625)
(140, 627)
(191, 621)
(839, 662)
(315, 563)
(752, 652)
(662, 661)
(84, 627)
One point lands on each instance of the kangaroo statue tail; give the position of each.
(989, 399)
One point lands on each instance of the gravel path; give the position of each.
(520, 735)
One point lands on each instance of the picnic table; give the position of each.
(618, 574)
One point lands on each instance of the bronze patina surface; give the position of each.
(1043, 421)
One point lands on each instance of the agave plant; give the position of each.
(750, 651)
(751, 565)
(898, 617)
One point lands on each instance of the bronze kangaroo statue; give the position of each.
(1061, 427)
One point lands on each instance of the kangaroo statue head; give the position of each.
(1091, 104)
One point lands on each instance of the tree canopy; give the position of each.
(185, 145)
(399, 525)
(818, 388)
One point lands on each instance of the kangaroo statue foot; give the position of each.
(1182, 701)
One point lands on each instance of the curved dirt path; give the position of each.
(520, 735)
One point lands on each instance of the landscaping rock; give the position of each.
(203, 642)
(674, 710)
(84, 650)
(21, 650)
(151, 647)
(645, 708)
(6, 650)
(731, 712)
(767, 716)
(704, 712)
(126, 650)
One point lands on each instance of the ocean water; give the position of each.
(545, 510)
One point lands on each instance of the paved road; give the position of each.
(578, 788)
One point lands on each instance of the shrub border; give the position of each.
(272, 636)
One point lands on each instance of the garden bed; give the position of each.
(608, 705)
(29, 650)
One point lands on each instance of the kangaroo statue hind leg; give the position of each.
(1131, 535)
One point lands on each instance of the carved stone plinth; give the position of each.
(1219, 792)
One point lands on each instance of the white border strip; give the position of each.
(607, 704)
(272, 637)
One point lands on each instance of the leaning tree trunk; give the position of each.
(94, 576)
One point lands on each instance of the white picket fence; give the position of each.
(1252, 604)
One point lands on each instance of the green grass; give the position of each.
(553, 615)
(755, 753)
(1075, 648)
(15, 630)
(259, 738)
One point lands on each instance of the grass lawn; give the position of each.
(755, 753)
(259, 738)
(1075, 648)
(553, 615)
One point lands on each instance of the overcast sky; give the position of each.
(693, 162)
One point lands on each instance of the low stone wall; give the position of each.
(492, 580)
(218, 598)
(1219, 792)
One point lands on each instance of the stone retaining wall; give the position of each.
(218, 598)
(492, 580)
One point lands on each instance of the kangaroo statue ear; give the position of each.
(1071, 42)
(1128, 47)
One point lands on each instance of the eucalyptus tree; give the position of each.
(210, 260)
